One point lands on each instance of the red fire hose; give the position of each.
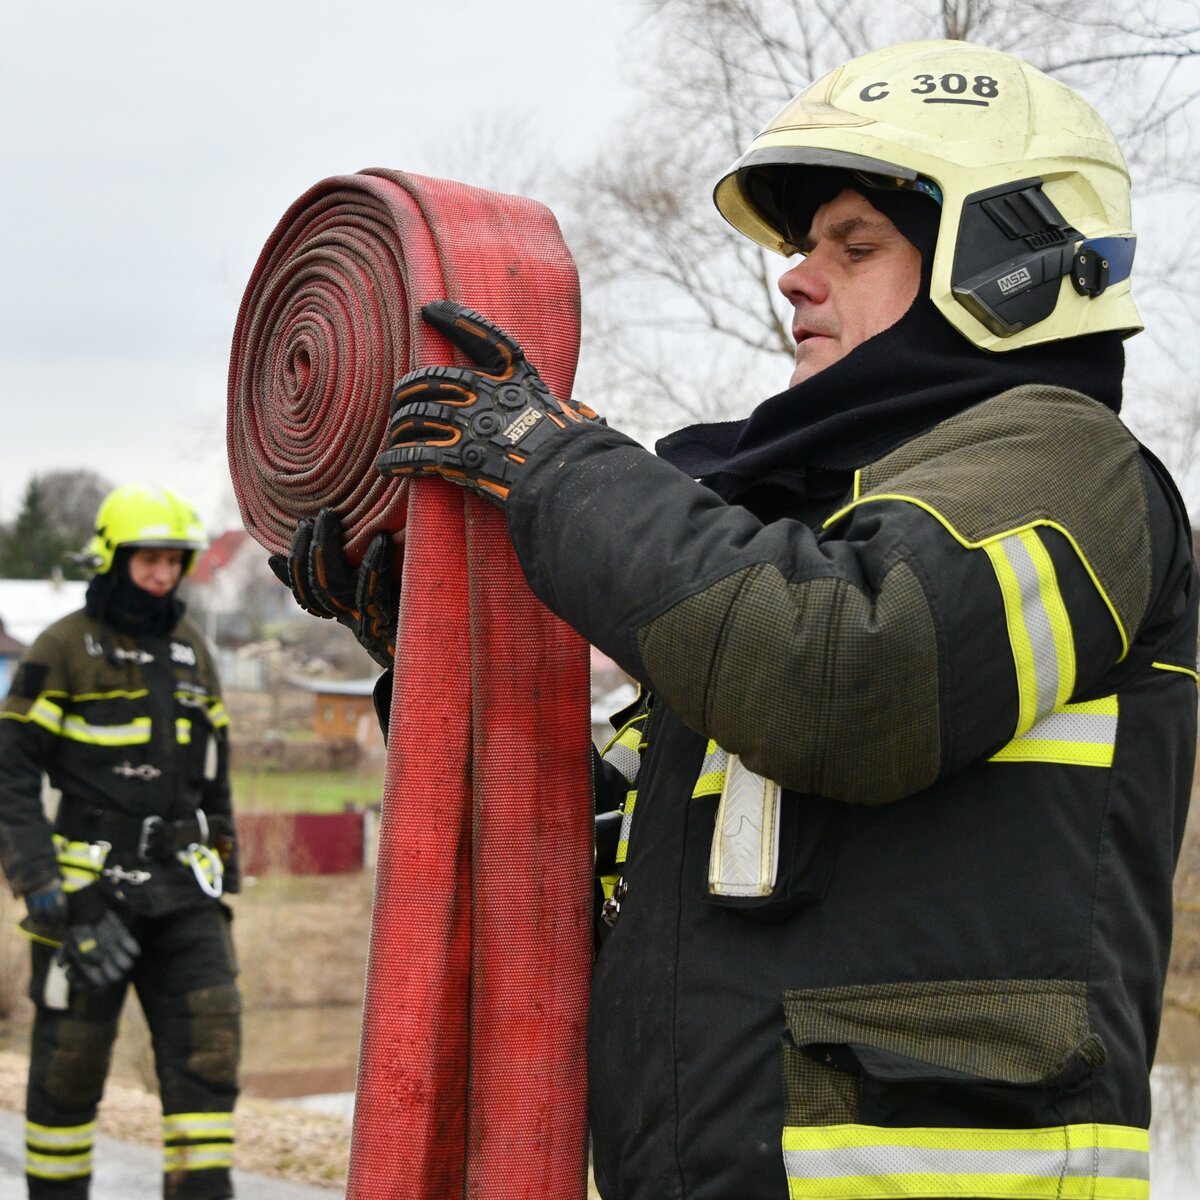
(471, 1078)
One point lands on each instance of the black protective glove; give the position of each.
(473, 427)
(97, 951)
(47, 904)
(326, 585)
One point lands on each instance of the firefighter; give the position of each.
(119, 705)
(917, 648)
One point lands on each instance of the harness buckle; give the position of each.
(610, 910)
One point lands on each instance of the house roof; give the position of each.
(337, 687)
(221, 551)
(27, 606)
(9, 646)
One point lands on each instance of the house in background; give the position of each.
(231, 594)
(343, 710)
(27, 606)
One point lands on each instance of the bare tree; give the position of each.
(71, 499)
(660, 267)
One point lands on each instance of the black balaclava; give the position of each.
(117, 601)
(801, 443)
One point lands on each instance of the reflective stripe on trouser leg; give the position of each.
(197, 1141)
(861, 1162)
(59, 1152)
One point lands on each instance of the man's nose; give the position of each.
(804, 280)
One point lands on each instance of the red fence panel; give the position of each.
(300, 843)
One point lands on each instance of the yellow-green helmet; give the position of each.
(138, 514)
(1035, 242)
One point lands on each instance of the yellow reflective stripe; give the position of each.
(117, 695)
(47, 714)
(840, 1162)
(60, 1137)
(1079, 735)
(198, 1156)
(211, 1124)
(1161, 666)
(1039, 629)
(58, 1166)
(79, 863)
(626, 826)
(712, 771)
(218, 714)
(197, 1141)
(996, 537)
(135, 733)
(183, 731)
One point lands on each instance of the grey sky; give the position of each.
(149, 149)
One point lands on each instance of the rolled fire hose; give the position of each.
(471, 1077)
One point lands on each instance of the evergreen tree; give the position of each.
(32, 547)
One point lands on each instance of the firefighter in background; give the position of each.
(119, 705)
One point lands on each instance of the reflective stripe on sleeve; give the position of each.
(183, 731)
(1079, 735)
(1039, 628)
(47, 714)
(846, 1162)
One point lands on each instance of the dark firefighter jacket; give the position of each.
(126, 727)
(975, 685)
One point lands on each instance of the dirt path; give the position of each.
(272, 1139)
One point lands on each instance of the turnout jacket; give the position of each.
(126, 727)
(933, 964)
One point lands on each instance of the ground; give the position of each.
(273, 1139)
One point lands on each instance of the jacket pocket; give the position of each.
(852, 1053)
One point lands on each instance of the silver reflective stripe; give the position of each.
(58, 1166)
(1037, 622)
(1097, 728)
(190, 1124)
(50, 1137)
(711, 780)
(624, 759)
(745, 846)
(889, 1161)
(197, 1157)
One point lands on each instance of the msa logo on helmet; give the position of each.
(522, 425)
(1017, 279)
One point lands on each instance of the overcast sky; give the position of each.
(149, 148)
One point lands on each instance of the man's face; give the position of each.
(155, 570)
(859, 275)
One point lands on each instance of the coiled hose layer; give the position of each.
(471, 1077)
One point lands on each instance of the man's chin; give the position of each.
(814, 359)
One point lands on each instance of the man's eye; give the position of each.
(857, 253)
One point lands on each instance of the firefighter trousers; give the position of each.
(185, 979)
